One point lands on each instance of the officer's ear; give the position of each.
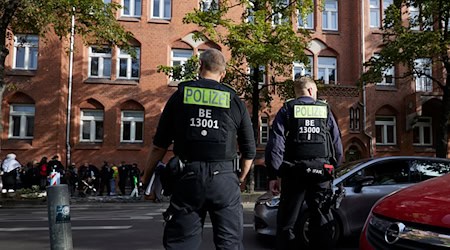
(200, 67)
(222, 74)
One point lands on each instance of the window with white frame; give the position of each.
(422, 71)
(388, 75)
(279, 18)
(209, 5)
(250, 13)
(422, 132)
(300, 69)
(180, 56)
(132, 126)
(330, 15)
(385, 130)
(99, 62)
(26, 52)
(377, 10)
(132, 8)
(305, 22)
(264, 130)
(261, 76)
(326, 69)
(161, 9)
(21, 121)
(127, 66)
(91, 125)
(417, 22)
(414, 13)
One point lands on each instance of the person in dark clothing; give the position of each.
(33, 175)
(10, 167)
(43, 172)
(123, 176)
(135, 175)
(24, 174)
(83, 175)
(206, 121)
(94, 174)
(28, 175)
(71, 177)
(106, 174)
(303, 149)
(55, 164)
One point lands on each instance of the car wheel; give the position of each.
(303, 233)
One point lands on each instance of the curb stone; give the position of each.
(10, 202)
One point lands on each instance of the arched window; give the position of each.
(21, 121)
(21, 116)
(91, 121)
(386, 126)
(132, 122)
(91, 125)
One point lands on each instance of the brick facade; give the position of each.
(47, 88)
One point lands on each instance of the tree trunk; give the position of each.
(3, 53)
(255, 124)
(8, 10)
(442, 131)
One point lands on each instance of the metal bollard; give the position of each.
(59, 217)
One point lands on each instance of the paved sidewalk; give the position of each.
(8, 201)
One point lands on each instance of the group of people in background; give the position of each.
(82, 180)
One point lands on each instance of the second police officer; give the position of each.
(207, 122)
(304, 145)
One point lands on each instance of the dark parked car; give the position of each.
(365, 182)
(417, 217)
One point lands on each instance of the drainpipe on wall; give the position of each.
(69, 97)
(363, 59)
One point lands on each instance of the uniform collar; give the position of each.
(307, 99)
(208, 80)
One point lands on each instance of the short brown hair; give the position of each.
(303, 83)
(213, 60)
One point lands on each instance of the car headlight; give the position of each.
(274, 202)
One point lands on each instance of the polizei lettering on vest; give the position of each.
(207, 97)
(310, 111)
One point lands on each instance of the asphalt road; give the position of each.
(98, 226)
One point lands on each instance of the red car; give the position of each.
(417, 217)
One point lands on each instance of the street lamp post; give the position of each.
(69, 97)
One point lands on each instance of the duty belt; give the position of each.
(234, 162)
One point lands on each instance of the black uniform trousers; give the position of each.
(296, 190)
(205, 187)
(9, 179)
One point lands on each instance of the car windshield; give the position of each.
(345, 168)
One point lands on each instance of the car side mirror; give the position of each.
(364, 181)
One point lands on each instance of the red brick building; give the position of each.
(116, 100)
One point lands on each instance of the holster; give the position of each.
(338, 195)
(170, 174)
(236, 166)
(314, 171)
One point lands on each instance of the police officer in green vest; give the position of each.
(303, 148)
(207, 123)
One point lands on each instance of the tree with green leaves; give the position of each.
(426, 35)
(262, 42)
(95, 22)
